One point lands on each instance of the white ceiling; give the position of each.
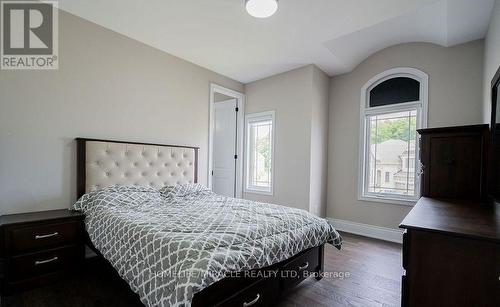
(336, 35)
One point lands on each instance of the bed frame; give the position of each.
(106, 162)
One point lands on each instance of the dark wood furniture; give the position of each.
(494, 165)
(454, 161)
(261, 287)
(451, 246)
(451, 254)
(39, 247)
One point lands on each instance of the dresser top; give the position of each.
(458, 217)
(40, 216)
(456, 129)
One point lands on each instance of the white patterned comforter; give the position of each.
(169, 244)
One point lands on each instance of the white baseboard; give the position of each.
(371, 231)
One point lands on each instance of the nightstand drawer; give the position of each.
(38, 248)
(43, 236)
(52, 260)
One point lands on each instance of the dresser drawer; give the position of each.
(261, 293)
(299, 269)
(43, 236)
(52, 260)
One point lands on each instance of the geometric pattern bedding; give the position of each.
(169, 244)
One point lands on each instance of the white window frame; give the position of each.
(254, 117)
(367, 111)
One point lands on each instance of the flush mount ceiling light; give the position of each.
(261, 8)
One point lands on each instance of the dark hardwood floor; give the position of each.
(374, 269)
(375, 276)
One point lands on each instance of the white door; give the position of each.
(224, 148)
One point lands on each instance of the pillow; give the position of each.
(116, 189)
(182, 190)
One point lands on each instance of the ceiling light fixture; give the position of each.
(261, 8)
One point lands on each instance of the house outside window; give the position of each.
(393, 107)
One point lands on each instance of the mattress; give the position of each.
(171, 243)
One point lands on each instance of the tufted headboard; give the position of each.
(102, 163)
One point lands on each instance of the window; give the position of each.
(393, 107)
(260, 152)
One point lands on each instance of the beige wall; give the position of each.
(491, 58)
(107, 86)
(297, 97)
(455, 91)
(319, 142)
(286, 94)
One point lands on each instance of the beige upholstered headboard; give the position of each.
(102, 163)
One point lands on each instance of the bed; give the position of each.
(176, 243)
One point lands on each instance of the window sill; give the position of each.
(251, 191)
(387, 200)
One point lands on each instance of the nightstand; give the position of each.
(39, 247)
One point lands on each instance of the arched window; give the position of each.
(393, 107)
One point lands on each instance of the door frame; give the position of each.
(240, 126)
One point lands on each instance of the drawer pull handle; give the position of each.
(304, 266)
(37, 237)
(38, 262)
(245, 304)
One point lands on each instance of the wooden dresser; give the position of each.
(451, 254)
(451, 246)
(454, 161)
(39, 247)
